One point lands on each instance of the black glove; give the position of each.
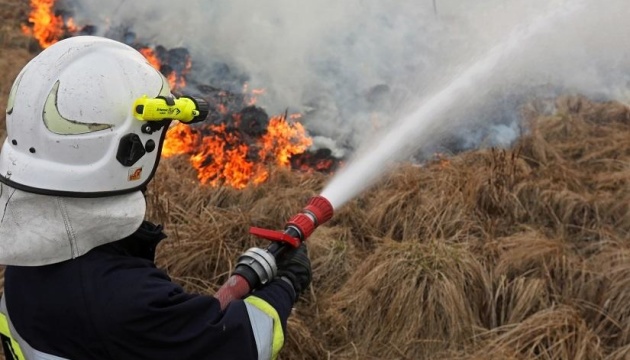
(295, 266)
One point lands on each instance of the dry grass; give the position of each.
(411, 299)
(15, 48)
(520, 253)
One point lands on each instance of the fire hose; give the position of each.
(257, 266)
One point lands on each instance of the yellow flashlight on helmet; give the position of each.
(187, 109)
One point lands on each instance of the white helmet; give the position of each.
(70, 124)
(75, 157)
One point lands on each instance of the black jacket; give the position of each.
(113, 303)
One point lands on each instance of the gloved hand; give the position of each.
(295, 266)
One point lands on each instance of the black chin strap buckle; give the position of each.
(130, 150)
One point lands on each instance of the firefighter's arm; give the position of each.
(156, 318)
(270, 306)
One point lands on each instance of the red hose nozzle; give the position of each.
(317, 211)
(321, 209)
(253, 267)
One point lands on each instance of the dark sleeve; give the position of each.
(153, 318)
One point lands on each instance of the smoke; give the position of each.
(353, 67)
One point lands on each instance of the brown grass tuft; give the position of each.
(414, 297)
(555, 333)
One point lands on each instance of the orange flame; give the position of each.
(223, 158)
(282, 140)
(180, 139)
(151, 57)
(178, 81)
(47, 27)
(175, 80)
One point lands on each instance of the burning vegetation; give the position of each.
(520, 253)
(239, 143)
(45, 26)
(222, 154)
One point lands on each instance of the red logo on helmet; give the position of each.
(135, 174)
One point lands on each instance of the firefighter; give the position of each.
(81, 282)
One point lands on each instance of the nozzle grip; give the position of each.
(272, 235)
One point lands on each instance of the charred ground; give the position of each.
(519, 253)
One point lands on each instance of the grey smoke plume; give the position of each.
(354, 66)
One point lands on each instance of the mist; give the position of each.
(354, 67)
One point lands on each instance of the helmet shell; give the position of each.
(70, 112)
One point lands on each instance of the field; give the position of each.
(518, 253)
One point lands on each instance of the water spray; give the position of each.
(421, 123)
(257, 266)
